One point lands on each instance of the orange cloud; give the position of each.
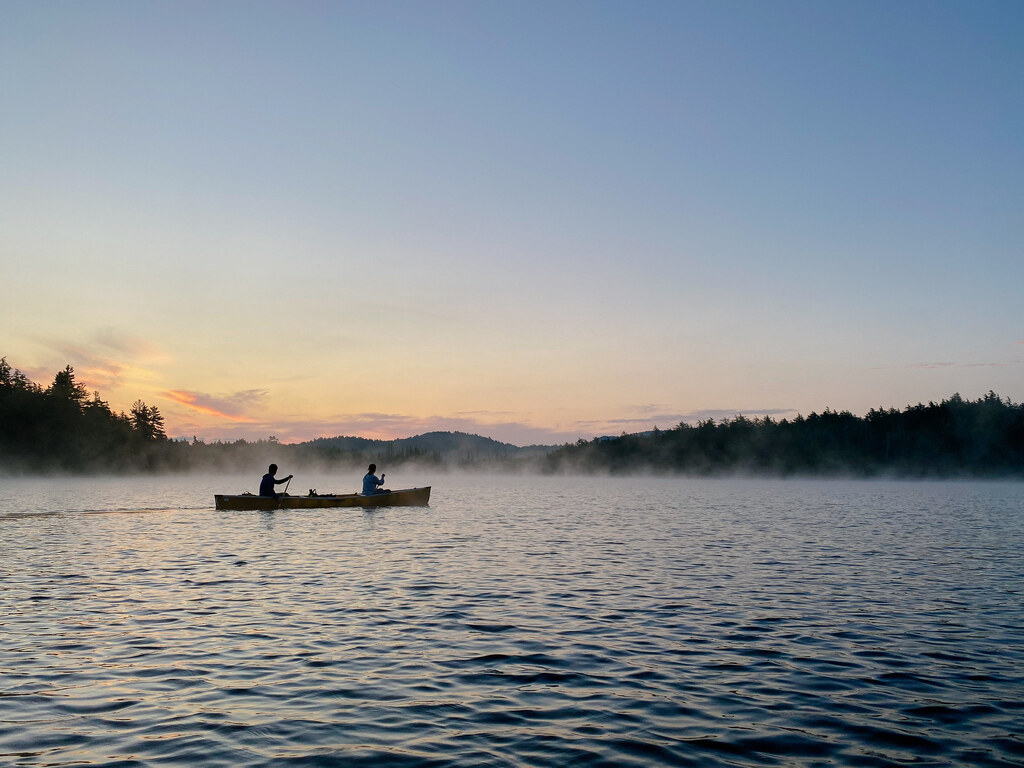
(232, 407)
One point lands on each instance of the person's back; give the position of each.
(370, 481)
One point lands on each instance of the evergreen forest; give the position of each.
(63, 428)
(953, 438)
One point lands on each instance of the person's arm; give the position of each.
(283, 480)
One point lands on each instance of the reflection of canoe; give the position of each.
(407, 497)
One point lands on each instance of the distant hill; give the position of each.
(438, 447)
(459, 445)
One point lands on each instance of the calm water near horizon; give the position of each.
(516, 621)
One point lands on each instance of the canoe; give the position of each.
(406, 497)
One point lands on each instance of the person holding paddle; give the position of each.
(371, 484)
(269, 481)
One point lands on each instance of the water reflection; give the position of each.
(519, 622)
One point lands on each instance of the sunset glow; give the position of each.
(529, 221)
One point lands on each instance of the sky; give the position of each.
(534, 221)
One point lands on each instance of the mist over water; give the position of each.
(517, 621)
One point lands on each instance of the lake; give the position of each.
(515, 622)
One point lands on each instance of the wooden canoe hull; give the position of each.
(406, 497)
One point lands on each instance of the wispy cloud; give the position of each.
(948, 364)
(641, 418)
(128, 344)
(233, 407)
(667, 419)
(102, 360)
(1007, 364)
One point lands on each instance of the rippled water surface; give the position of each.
(514, 622)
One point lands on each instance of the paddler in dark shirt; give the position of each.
(268, 482)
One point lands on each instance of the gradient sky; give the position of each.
(535, 221)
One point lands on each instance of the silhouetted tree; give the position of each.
(64, 387)
(147, 421)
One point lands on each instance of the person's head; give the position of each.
(273, 469)
(372, 468)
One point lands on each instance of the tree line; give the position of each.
(64, 428)
(956, 437)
